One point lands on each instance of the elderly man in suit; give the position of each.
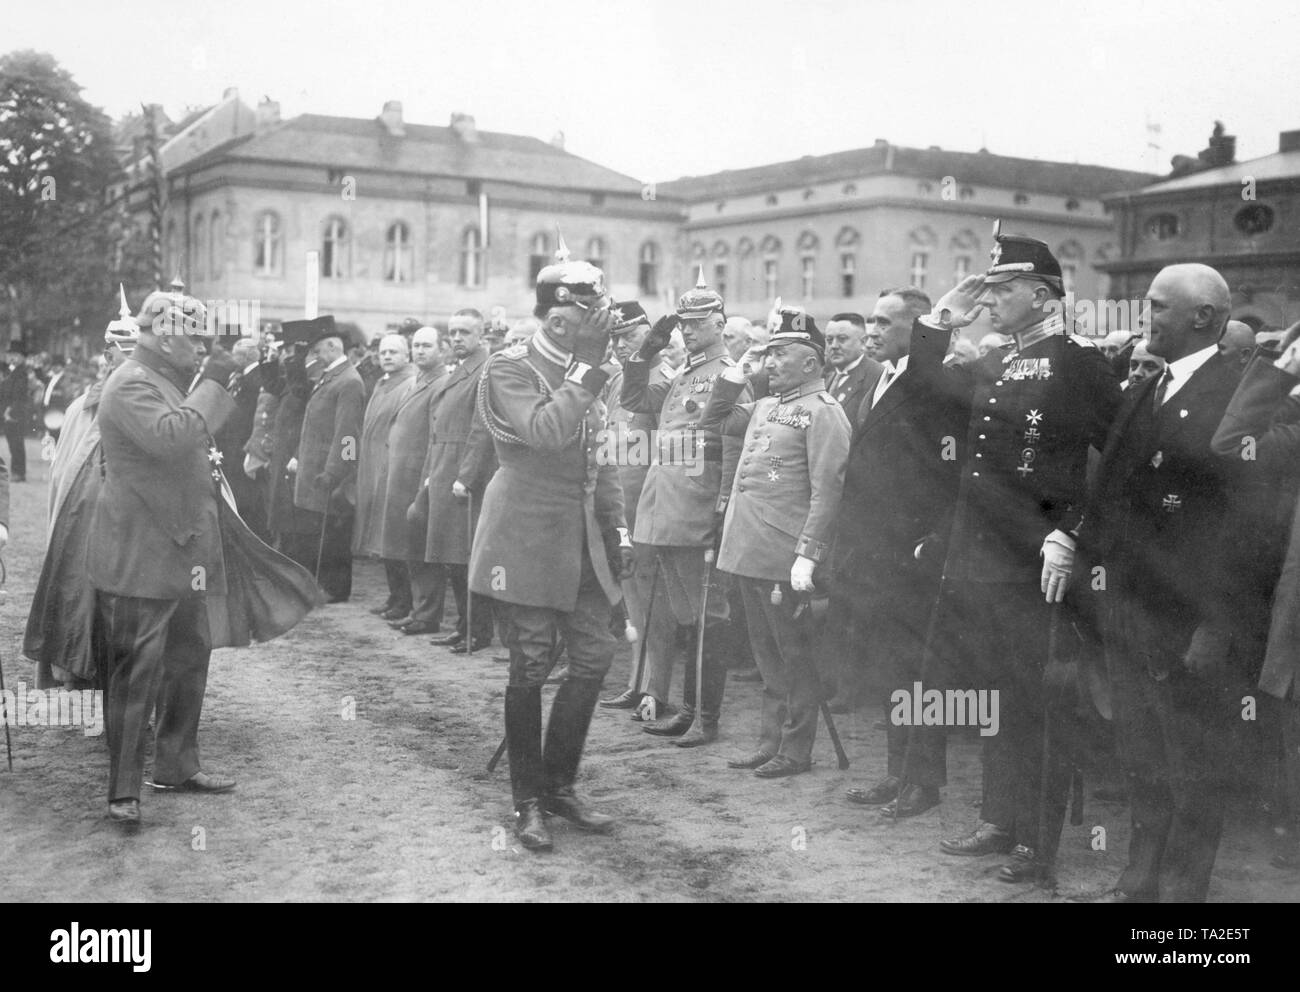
(552, 544)
(1162, 523)
(372, 473)
(849, 374)
(405, 516)
(459, 464)
(899, 491)
(779, 525)
(325, 468)
(155, 549)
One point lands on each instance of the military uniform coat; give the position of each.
(456, 451)
(1033, 414)
(628, 438)
(331, 434)
(691, 468)
(408, 450)
(551, 501)
(155, 521)
(372, 463)
(787, 488)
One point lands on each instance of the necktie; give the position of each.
(1162, 388)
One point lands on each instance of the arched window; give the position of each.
(596, 255)
(744, 269)
(397, 253)
(266, 244)
(471, 258)
(217, 245)
(335, 250)
(720, 267)
(771, 250)
(539, 255)
(847, 242)
(199, 250)
(808, 245)
(647, 276)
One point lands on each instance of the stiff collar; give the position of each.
(707, 355)
(850, 367)
(549, 350)
(1183, 369)
(152, 360)
(807, 389)
(1041, 331)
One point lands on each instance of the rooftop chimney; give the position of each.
(1222, 149)
(463, 125)
(557, 139)
(392, 118)
(1289, 141)
(268, 113)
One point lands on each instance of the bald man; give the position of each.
(1161, 527)
(737, 335)
(1237, 343)
(372, 472)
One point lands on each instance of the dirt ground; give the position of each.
(395, 804)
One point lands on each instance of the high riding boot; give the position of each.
(705, 728)
(565, 736)
(678, 724)
(524, 746)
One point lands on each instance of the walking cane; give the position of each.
(4, 706)
(801, 607)
(469, 596)
(645, 634)
(699, 643)
(324, 520)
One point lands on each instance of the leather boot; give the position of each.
(705, 728)
(565, 736)
(679, 724)
(524, 746)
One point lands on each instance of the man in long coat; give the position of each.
(372, 472)
(155, 549)
(402, 529)
(460, 463)
(249, 492)
(326, 466)
(552, 527)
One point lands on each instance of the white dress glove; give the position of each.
(801, 574)
(1058, 563)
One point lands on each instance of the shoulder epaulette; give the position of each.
(515, 351)
(828, 399)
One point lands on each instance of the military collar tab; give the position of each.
(1049, 326)
(807, 389)
(153, 360)
(549, 350)
(707, 355)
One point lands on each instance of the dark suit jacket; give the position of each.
(155, 521)
(1261, 432)
(457, 451)
(898, 488)
(861, 381)
(1160, 520)
(331, 440)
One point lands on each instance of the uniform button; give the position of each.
(978, 455)
(993, 399)
(975, 475)
(986, 420)
(998, 383)
(982, 437)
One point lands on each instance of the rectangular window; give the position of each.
(807, 275)
(848, 273)
(769, 278)
(960, 268)
(920, 261)
(720, 278)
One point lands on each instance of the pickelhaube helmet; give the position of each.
(123, 332)
(166, 312)
(700, 301)
(565, 282)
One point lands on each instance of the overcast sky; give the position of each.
(664, 88)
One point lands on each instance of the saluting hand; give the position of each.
(660, 336)
(960, 305)
(592, 338)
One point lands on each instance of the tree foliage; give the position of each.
(64, 239)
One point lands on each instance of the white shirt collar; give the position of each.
(336, 363)
(250, 366)
(1186, 367)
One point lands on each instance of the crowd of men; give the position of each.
(1081, 530)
